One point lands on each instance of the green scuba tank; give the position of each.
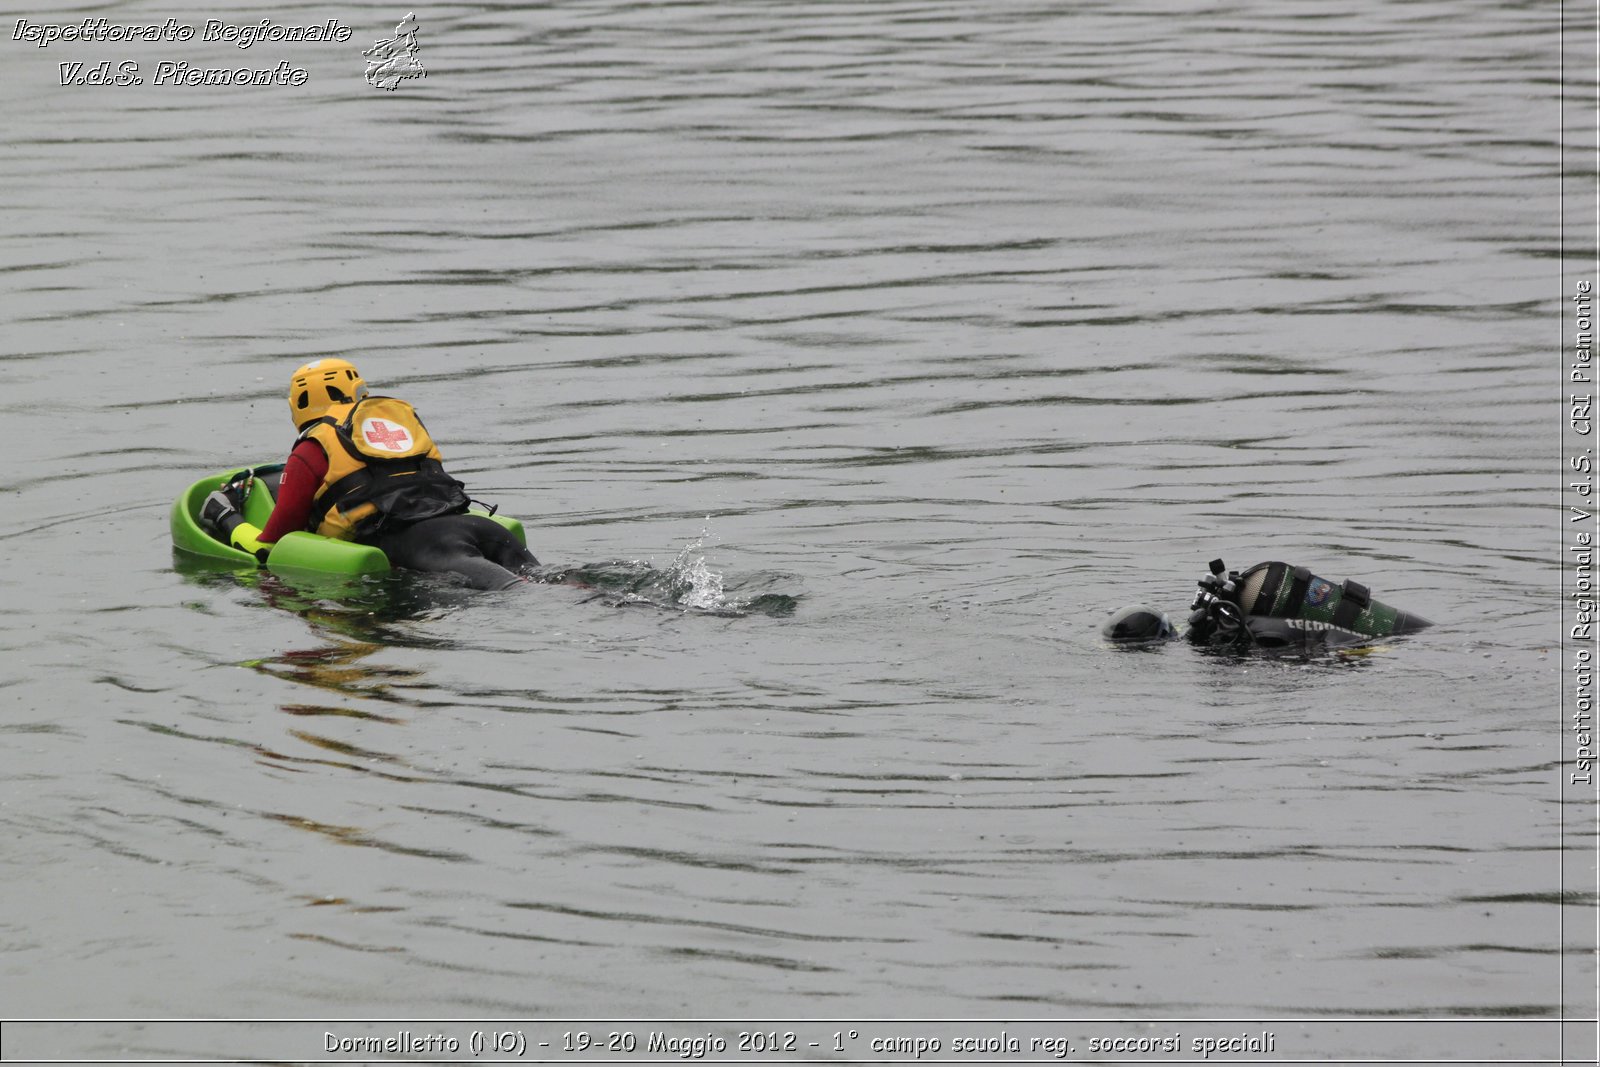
(1277, 604)
(1279, 591)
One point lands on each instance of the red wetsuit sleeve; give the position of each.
(302, 477)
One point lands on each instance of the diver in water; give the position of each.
(364, 469)
(1271, 605)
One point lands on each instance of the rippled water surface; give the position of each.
(902, 341)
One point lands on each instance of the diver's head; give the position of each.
(321, 384)
(1136, 624)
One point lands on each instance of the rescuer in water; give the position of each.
(364, 469)
(1271, 605)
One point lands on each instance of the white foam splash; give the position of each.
(691, 583)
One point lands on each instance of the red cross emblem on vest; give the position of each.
(381, 435)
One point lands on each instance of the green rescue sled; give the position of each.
(297, 553)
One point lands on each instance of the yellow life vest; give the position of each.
(384, 471)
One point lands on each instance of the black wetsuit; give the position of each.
(477, 548)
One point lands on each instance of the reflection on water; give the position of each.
(336, 668)
(959, 332)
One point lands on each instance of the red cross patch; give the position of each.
(380, 434)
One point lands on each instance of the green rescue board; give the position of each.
(302, 553)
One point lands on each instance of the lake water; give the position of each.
(910, 338)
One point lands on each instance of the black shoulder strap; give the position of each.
(344, 430)
(1356, 599)
(305, 431)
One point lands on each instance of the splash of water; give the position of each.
(691, 583)
(688, 584)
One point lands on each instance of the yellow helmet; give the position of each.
(319, 385)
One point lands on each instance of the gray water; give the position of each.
(902, 341)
